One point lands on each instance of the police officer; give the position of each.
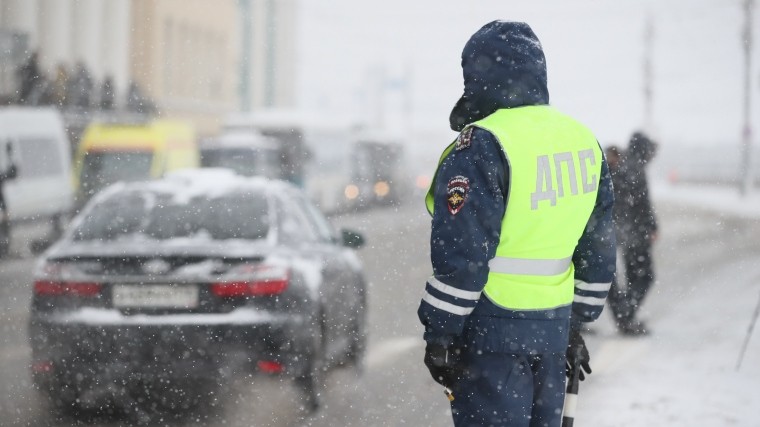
(522, 243)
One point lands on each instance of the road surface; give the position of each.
(394, 388)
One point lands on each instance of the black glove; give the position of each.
(577, 355)
(444, 363)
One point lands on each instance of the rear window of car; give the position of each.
(160, 216)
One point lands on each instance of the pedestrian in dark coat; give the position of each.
(8, 174)
(614, 157)
(636, 229)
(80, 87)
(107, 94)
(29, 77)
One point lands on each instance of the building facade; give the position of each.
(191, 59)
(184, 58)
(65, 33)
(272, 54)
(202, 63)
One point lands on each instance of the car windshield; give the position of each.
(160, 216)
(103, 168)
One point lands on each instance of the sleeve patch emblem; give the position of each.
(464, 140)
(456, 193)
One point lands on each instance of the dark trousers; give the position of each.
(505, 389)
(626, 300)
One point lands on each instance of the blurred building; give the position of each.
(64, 33)
(190, 59)
(184, 57)
(271, 52)
(200, 62)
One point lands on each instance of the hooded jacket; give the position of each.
(504, 67)
(638, 221)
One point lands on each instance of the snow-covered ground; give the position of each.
(719, 199)
(686, 372)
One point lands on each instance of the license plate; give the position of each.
(155, 296)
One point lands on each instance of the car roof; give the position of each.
(209, 182)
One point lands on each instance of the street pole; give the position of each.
(380, 82)
(408, 98)
(245, 58)
(745, 180)
(648, 75)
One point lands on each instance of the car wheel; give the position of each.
(62, 400)
(311, 381)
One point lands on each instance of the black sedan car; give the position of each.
(159, 288)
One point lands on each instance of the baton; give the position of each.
(749, 334)
(571, 397)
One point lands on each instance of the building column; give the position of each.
(21, 16)
(115, 44)
(87, 35)
(55, 33)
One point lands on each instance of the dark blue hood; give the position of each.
(641, 147)
(504, 67)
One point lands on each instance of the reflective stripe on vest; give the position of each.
(555, 166)
(534, 267)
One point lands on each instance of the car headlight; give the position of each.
(351, 192)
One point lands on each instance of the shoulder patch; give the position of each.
(456, 193)
(465, 139)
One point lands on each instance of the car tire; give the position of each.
(63, 401)
(311, 380)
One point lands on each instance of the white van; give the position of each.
(39, 148)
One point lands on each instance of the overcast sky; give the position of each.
(594, 54)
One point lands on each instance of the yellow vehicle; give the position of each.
(109, 153)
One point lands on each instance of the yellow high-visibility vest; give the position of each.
(555, 165)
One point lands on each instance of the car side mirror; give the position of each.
(351, 239)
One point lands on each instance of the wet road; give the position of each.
(394, 388)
